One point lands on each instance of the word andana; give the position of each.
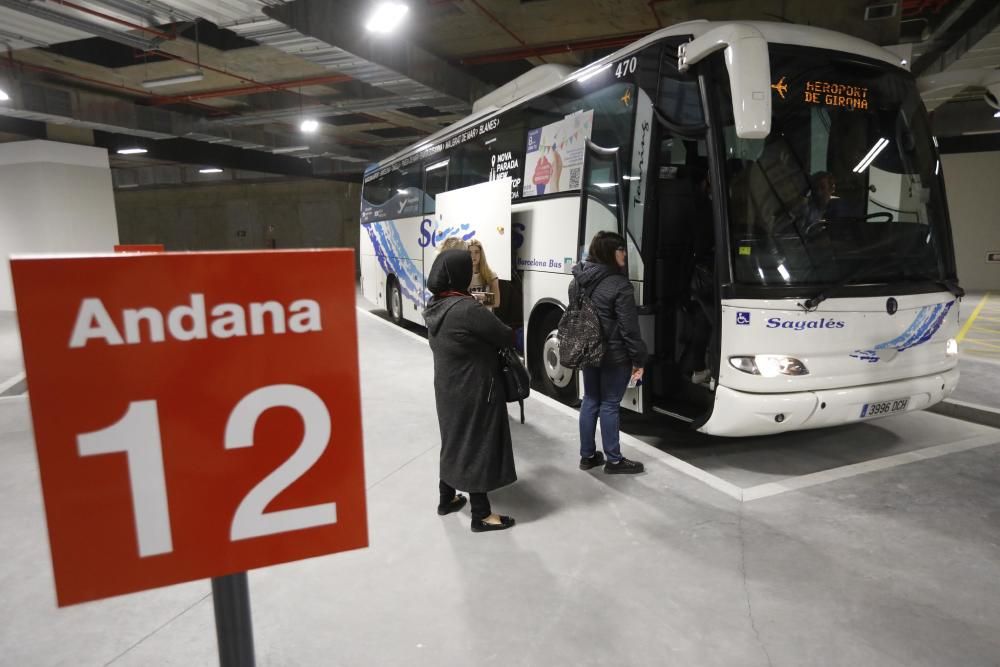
(191, 321)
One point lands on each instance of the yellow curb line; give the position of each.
(972, 318)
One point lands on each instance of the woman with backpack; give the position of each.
(603, 280)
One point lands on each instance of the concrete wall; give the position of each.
(54, 198)
(242, 216)
(974, 203)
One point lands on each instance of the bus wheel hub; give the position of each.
(558, 375)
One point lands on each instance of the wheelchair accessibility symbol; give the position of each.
(742, 317)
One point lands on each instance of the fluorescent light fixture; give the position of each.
(870, 157)
(935, 142)
(594, 73)
(489, 141)
(289, 149)
(132, 151)
(437, 165)
(937, 167)
(996, 115)
(309, 125)
(784, 272)
(605, 185)
(386, 17)
(210, 170)
(760, 271)
(3, 95)
(631, 178)
(173, 80)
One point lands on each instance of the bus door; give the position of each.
(478, 212)
(602, 209)
(680, 286)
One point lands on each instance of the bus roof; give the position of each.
(777, 33)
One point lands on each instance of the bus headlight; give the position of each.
(951, 347)
(769, 365)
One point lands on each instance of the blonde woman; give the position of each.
(453, 243)
(485, 286)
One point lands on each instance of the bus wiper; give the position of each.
(812, 303)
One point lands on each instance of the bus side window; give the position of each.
(435, 182)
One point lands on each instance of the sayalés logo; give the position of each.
(799, 325)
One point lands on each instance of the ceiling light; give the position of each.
(309, 125)
(210, 170)
(289, 149)
(3, 95)
(996, 115)
(132, 151)
(386, 17)
(173, 80)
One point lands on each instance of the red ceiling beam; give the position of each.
(569, 47)
(252, 89)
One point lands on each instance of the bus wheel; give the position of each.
(395, 302)
(556, 380)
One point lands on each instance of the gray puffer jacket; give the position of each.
(614, 300)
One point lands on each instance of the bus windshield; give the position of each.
(847, 186)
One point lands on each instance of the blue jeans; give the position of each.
(603, 389)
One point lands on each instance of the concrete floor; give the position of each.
(861, 553)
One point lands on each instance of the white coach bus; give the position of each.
(781, 196)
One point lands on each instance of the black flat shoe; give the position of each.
(457, 503)
(480, 526)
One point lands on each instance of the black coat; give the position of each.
(614, 300)
(476, 451)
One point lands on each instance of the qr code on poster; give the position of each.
(574, 178)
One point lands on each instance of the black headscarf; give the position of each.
(451, 272)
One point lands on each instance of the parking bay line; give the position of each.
(768, 489)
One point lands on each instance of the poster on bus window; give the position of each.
(554, 155)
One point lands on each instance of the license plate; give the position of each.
(884, 408)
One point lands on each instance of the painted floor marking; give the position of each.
(884, 463)
(10, 382)
(972, 318)
(768, 489)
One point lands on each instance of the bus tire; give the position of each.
(554, 379)
(394, 301)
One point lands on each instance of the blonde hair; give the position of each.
(454, 243)
(485, 272)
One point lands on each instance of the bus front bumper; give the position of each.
(738, 414)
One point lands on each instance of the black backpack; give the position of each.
(581, 338)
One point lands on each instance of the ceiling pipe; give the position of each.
(253, 89)
(115, 19)
(569, 47)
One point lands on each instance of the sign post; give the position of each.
(233, 625)
(196, 415)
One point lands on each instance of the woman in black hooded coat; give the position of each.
(476, 451)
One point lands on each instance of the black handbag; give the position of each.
(516, 383)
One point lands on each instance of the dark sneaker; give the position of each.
(623, 467)
(591, 462)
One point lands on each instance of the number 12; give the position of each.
(137, 434)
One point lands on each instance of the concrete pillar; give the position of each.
(54, 198)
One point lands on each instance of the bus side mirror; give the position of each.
(749, 73)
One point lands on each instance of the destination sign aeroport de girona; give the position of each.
(195, 414)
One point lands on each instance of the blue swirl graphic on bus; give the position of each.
(391, 255)
(923, 327)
